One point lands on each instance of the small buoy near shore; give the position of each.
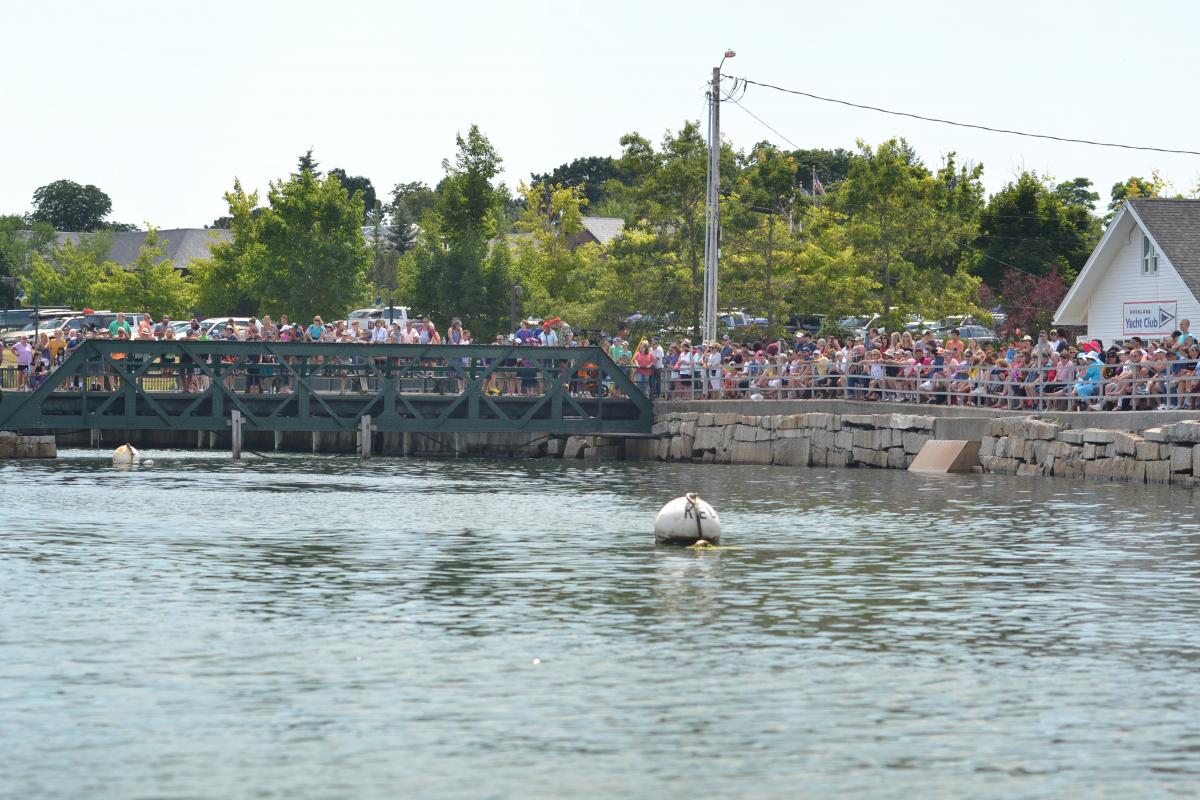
(687, 521)
(125, 455)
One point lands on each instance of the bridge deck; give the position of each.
(295, 387)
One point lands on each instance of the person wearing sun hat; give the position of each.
(1087, 382)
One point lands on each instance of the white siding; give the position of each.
(1123, 282)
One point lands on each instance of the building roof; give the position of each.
(181, 245)
(604, 229)
(1174, 225)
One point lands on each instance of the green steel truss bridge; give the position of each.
(197, 385)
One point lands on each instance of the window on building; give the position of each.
(1149, 257)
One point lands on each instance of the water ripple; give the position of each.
(318, 626)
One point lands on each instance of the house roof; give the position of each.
(181, 245)
(1174, 225)
(604, 229)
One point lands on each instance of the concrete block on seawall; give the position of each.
(946, 455)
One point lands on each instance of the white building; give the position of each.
(1143, 277)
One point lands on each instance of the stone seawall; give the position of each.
(1165, 454)
(14, 445)
(809, 439)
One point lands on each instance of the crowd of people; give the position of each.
(29, 360)
(1046, 371)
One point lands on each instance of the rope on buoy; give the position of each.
(692, 499)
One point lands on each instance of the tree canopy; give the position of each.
(303, 254)
(68, 206)
(357, 184)
(461, 264)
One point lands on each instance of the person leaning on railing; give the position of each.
(1087, 381)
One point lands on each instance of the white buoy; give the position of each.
(126, 455)
(687, 520)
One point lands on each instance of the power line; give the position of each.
(988, 128)
(764, 123)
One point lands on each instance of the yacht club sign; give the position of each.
(1149, 317)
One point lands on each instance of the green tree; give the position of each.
(307, 255)
(357, 184)
(382, 274)
(1035, 226)
(830, 166)
(1077, 192)
(559, 277)
(303, 254)
(410, 202)
(587, 174)
(306, 163)
(669, 187)
(220, 280)
(456, 269)
(648, 276)
(1133, 188)
(900, 220)
(829, 276)
(19, 242)
(151, 283)
(758, 242)
(67, 206)
(72, 273)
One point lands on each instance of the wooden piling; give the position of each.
(235, 420)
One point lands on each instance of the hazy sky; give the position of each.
(161, 104)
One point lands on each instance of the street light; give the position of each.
(712, 224)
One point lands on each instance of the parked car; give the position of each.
(14, 319)
(739, 320)
(215, 326)
(395, 313)
(978, 333)
(100, 319)
(806, 323)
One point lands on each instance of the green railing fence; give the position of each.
(195, 385)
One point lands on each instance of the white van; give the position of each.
(369, 315)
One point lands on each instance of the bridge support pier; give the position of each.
(460, 444)
(94, 438)
(316, 441)
(364, 436)
(406, 444)
(278, 441)
(212, 440)
(235, 420)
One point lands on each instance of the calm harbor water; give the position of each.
(308, 627)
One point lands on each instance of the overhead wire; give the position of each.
(975, 126)
(730, 98)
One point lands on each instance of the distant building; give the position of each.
(598, 230)
(1144, 275)
(181, 245)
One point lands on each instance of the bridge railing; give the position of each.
(195, 384)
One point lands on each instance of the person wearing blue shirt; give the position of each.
(1088, 383)
(1185, 337)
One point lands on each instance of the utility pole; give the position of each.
(712, 224)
